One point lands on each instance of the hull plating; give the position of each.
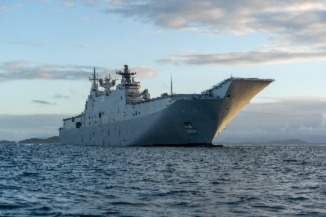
(165, 127)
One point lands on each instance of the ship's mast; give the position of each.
(171, 87)
(94, 79)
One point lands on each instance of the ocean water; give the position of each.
(242, 180)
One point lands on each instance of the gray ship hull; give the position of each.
(189, 120)
(162, 128)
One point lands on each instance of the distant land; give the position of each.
(290, 141)
(280, 142)
(53, 139)
(7, 142)
(50, 140)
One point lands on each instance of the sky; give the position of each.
(48, 49)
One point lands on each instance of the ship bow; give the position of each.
(238, 95)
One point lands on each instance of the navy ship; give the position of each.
(127, 116)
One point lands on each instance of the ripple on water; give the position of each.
(9, 206)
(66, 180)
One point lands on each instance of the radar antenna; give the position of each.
(126, 74)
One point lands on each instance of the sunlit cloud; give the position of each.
(244, 58)
(290, 25)
(231, 16)
(144, 72)
(21, 69)
(17, 70)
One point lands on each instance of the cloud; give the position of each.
(69, 3)
(244, 58)
(43, 102)
(285, 118)
(82, 45)
(72, 3)
(85, 18)
(59, 96)
(28, 43)
(21, 69)
(290, 25)
(144, 72)
(323, 122)
(236, 17)
(17, 70)
(4, 10)
(113, 1)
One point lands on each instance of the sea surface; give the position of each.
(237, 180)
